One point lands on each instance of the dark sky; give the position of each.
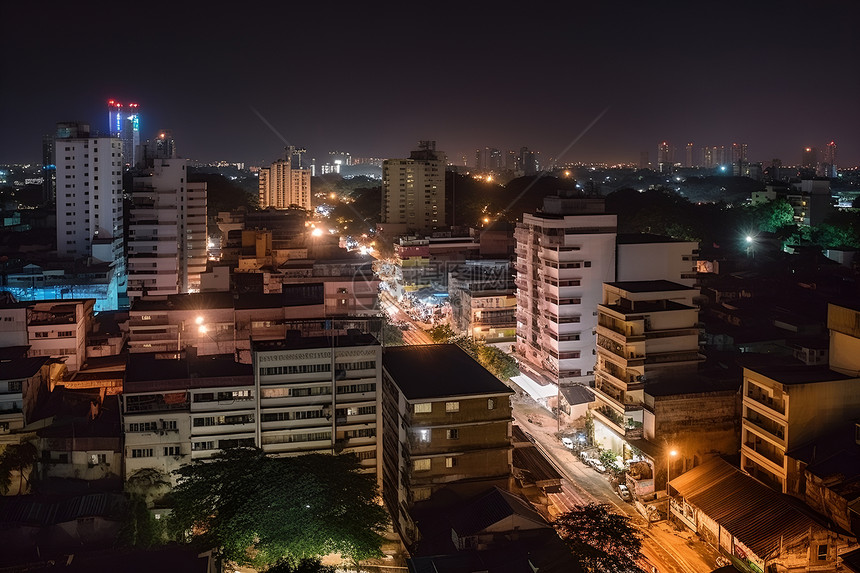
(372, 79)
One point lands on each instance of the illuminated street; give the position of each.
(663, 545)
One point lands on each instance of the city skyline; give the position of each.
(375, 83)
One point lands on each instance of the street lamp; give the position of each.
(671, 455)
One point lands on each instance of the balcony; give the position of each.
(753, 422)
(756, 395)
(755, 445)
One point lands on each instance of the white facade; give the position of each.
(320, 395)
(564, 255)
(167, 231)
(413, 190)
(59, 329)
(89, 197)
(281, 186)
(657, 260)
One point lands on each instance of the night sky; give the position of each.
(373, 79)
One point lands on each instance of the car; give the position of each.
(623, 492)
(567, 442)
(584, 456)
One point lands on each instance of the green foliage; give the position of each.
(223, 194)
(589, 427)
(441, 333)
(503, 366)
(602, 541)
(303, 566)
(391, 334)
(140, 528)
(16, 458)
(253, 509)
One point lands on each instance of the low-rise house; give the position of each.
(757, 528)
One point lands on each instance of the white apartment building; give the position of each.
(281, 185)
(176, 410)
(647, 257)
(564, 255)
(413, 191)
(89, 196)
(320, 394)
(167, 231)
(643, 328)
(790, 405)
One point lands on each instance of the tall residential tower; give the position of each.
(413, 190)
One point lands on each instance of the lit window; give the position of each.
(452, 434)
(452, 406)
(424, 408)
(421, 465)
(491, 403)
(450, 462)
(424, 435)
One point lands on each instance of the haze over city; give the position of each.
(237, 84)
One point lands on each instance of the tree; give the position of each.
(602, 541)
(140, 528)
(257, 510)
(16, 458)
(391, 334)
(441, 333)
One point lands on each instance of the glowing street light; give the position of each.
(671, 455)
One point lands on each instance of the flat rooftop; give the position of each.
(798, 373)
(645, 238)
(649, 286)
(438, 371)
(147, 373)
(304, 342)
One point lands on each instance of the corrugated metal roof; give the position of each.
(758, 516)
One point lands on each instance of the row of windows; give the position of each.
(423, 464)
(314, 368)
(423, 434)
(450, 407)
(295, 438)
(223, 396)
(152, 426)
(223, 420)
(287, 416)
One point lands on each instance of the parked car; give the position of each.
(595, 463)
(584, 456)
(623, 492)
(568, 443)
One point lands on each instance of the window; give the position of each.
(15, 386)
(452, 434)
(422, 465)
(143, 427)
(423, 408)
(450, 462)
(141, 453)
(41, 335)
(98, 459)
(822, 552)
(423, 435)
(491, 403)
(452, 407)
(169, 424)
(171, 450)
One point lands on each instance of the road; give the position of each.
(670, 549)
(415, 334)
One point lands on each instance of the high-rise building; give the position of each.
(125, 125)
(527, 161)
(664, 157)
(739, 153)
(564, 255)
(283, 185)
(809, 158)
(828, 167)
(644, 160)
(493, 159)
(689, 155)
(167, 231)
(479, 162)
(89, 197)
(413, 190)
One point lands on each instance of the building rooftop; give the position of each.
(18, 368)
(835, 459)
(147, 373)
(438, 371)
(303, 342)
(577, 394)
(644, 238)
(649, 286)
(795, 372)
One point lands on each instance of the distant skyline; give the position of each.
(233, 85)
